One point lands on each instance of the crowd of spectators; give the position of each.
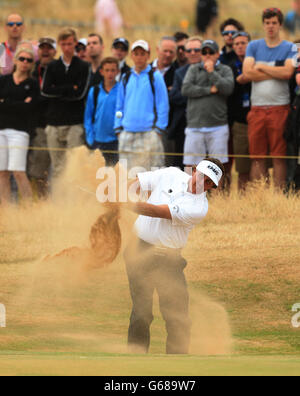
(192, 100)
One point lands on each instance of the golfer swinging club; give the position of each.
(177, 204)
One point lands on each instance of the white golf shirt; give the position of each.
(170, 187)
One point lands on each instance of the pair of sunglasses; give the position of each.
(23, 59)
(196, 50)
(181, 48)
(276, 10)
(232, 32)
(241, 34)
(120, 47)
(207, 52)
(12, 24)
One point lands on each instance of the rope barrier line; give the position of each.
(158, 153)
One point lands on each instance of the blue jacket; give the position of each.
(136, 103)
(102, 131)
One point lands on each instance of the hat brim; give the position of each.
(209, 47)
(47, 43)
(115, 45)
(204, 169)
(140, 47)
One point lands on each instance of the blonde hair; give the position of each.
(26, 50)
(66, 33)
(25, 44)
(195, 38)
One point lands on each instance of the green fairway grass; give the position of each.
(122, 365)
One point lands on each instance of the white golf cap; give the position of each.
(141, 44)
(211, 170)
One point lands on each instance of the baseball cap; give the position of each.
(83, 41)
(48, 40)
(211, 44)
(211, 170)
(141, 44)
(122, 41)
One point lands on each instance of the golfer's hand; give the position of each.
(28, 100)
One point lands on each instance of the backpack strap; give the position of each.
(152, 83)
(126, 78)
(96, 95)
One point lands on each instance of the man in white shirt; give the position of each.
(166, 51)
(177, 204)
(15, 27)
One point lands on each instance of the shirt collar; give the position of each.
(185, 181)
(63, 61)
(116, 86)
(147, 70)
(162, 71)
(155, 64)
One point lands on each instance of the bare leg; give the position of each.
(5, 187)
(280, 172)
(24, 185)
(258, 170)
(228, 177)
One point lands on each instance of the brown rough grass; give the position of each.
(167, 14)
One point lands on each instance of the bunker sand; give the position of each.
(73, 301)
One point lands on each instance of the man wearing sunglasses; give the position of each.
(166, 51)
(207, 86)
(181, 40)
(14, 29)
(228, 29)
(178, 102)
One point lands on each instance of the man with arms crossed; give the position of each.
(95, 49)
(269, 65)
(177, 204)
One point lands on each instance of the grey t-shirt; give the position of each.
(271, 92)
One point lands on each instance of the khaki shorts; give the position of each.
(213, 144)
(39, 160)
(63, 137)
(139, 147)
(241, 147)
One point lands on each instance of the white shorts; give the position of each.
(212, 144)
(13, 150)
